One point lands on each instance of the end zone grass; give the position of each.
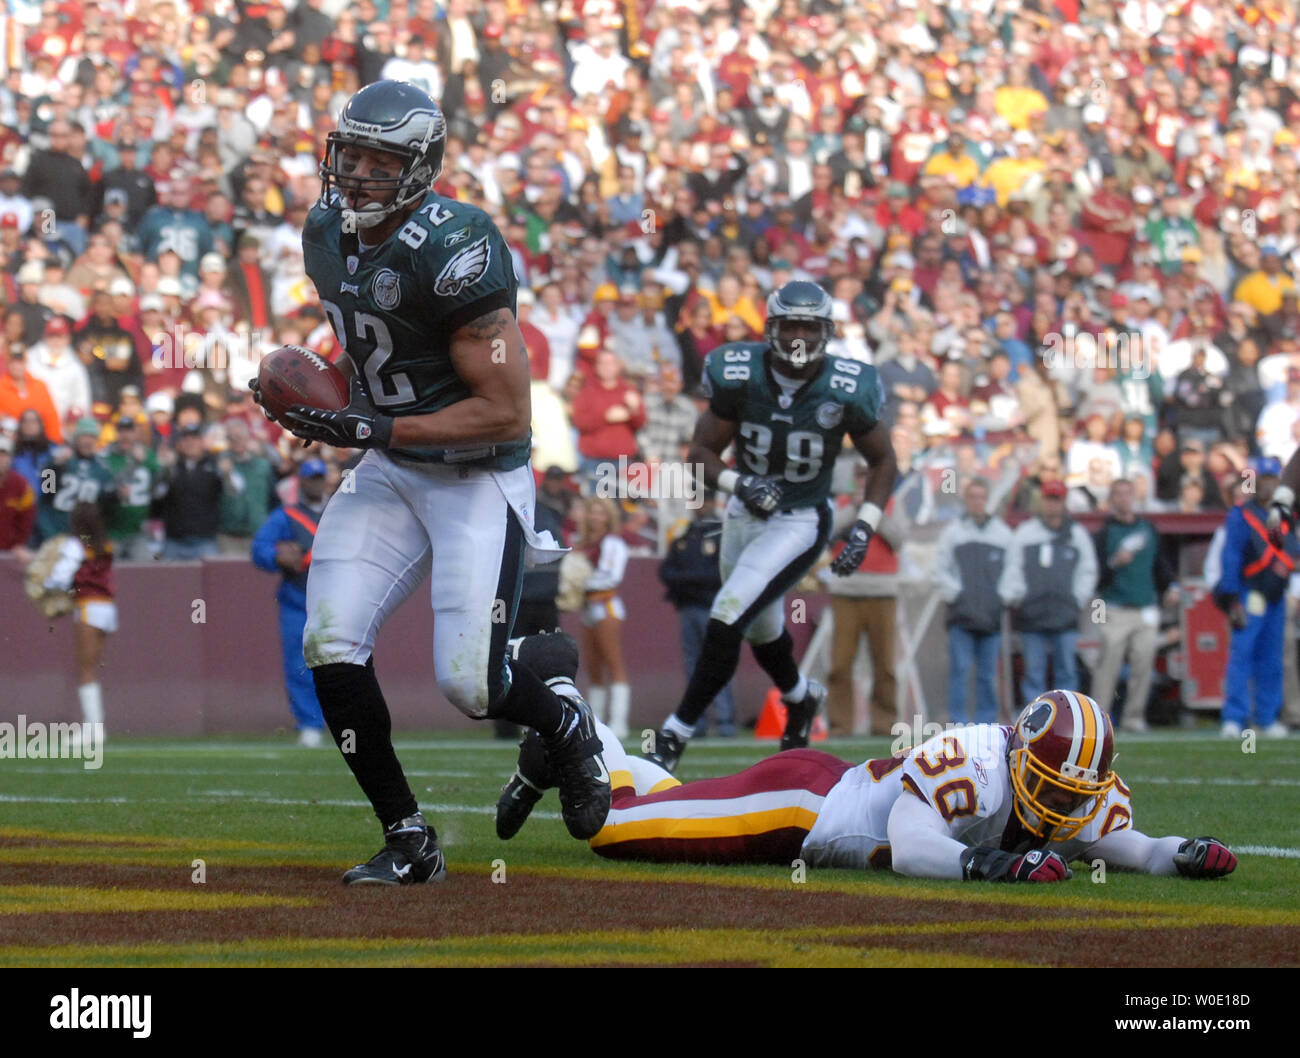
(229, 851)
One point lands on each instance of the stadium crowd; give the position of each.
(1065, 233)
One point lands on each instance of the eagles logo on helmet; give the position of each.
(391, 116)
(801, 346)
(1060, 758)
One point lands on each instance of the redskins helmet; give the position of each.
(1060, 756)
(392, 116)
(804, 301)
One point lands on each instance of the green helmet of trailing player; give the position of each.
(798, 302)
(391, 116)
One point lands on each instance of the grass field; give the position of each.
(98, 868)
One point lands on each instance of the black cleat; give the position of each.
(579, 770)
(410, 856)
(533, 776)
(799, 718)
(668, 750)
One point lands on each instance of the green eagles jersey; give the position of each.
(76, 481)
(140, 477)
(794, 440)
(395, 307)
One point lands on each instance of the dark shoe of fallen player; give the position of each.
(533, 776)
(668, 750)
(575, 757)
(799, 717)
(410, 856)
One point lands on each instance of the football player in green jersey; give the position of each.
(786, 407)
(420, 292)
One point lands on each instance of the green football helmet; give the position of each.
(806, 303)
(391, 116)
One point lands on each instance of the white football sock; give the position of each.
(675, 726)
(619, 700)
(798, 692)
(92, 703)
(598, 699)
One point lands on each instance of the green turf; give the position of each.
(305, 807)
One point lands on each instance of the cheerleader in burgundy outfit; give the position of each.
(85, 567)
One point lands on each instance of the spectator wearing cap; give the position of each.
(54, 361)
(80, 476)
(1170, 232)
(1107, 220)
(28, 308)
(1135, 580)
(13, 201)
(134, 465)
(193, 485)
(1049, 577)
(17, 503)
(1262, 289)
(245, 509)
(109, 350)
(127, 192)
(60, 176)
(20, 393)
(1200, 400)
(283, 544)
(1187, 462)
(1021, 171)
(954, 165)
(1251, 591)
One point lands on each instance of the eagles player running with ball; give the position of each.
(420, 292)
(786, 407)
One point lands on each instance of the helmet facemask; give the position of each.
(796, 351)
(1076, 793)
(409, 186)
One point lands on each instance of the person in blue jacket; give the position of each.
(283, 545)
(1252, 592)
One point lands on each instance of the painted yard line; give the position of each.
(651, 948)
(65, 899)
(1268, 850)
(1164, 780)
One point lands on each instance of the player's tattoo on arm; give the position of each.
(490, 326)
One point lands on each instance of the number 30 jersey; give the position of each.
(395, 307)
(963, 775)
(793, 439)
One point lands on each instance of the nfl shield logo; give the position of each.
(353, 261)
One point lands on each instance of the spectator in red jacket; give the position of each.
(607, 413)
(17, 502)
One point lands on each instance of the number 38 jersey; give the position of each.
(793, 439)
(963, 775)
(394, 308)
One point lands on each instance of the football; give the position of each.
(294, 375)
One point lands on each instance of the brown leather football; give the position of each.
(293, 375)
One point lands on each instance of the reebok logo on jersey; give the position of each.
(465, 269)
(456, 237)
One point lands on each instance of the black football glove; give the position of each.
(983, 864)
(855, 549)
(761, 496)
(1230, 604)
(256, 389)
(1204, 858)
(359, 425)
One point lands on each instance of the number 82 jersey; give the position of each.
(793, 439)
